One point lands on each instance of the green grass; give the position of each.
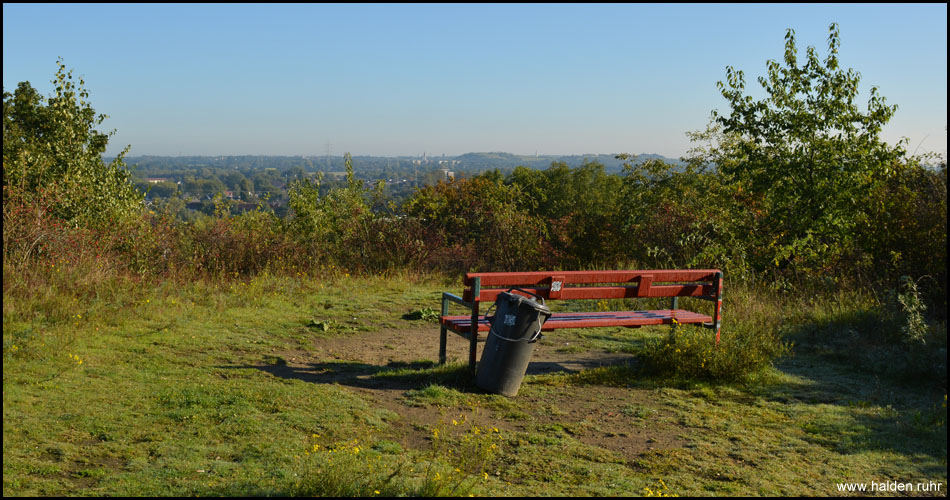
(178, 393)
(170, 384)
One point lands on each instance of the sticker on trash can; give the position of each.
(510, 319)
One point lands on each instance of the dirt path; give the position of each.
(613, 418)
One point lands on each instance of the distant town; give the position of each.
(192, 183)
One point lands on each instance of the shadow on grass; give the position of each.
(394, 375)
(406, 376)
(876, 413)
(852, 388)
(842, 406)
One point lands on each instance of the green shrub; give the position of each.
(691, 353)
(917, 347)
(52, 151)
(905, 311)
(478, 224)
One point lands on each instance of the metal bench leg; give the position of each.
(442, 331)
(442, 340)
(473, 338)
(673, 306)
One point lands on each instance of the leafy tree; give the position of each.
(52, 152)
(233, 180)
(204, 189)
(158, 190)
(579, 207)
(803, 160)
(247, 189)
(479, 223)
(669, 217)
(328, 221)
(295, 173)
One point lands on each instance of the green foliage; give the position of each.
(424, 314)
(915, 346)
(578, 207)
(324, 325)
(905, 230)
(383, 243)
(907, 312)
(673, 218)
(803, 160)
(340, 226)
(690, 353)
(345, 469)
(328, 220)
(479, 223)
(52, 151)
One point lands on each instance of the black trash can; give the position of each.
(514, 329)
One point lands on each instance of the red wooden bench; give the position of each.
(574, 285)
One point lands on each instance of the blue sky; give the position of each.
(390, 79)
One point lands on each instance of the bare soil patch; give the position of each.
(622, 420)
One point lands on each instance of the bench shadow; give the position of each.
(405, 376)
(575, 365)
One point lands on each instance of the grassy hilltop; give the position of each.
(294, 354)
(320, 386)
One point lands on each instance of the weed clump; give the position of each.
(424, 314)
(346, 469)
(691, 353)
(462, 454)
(462, 451)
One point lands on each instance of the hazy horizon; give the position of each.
(430, 156)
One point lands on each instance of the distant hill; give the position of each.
(373, 166)
(469, 162)
(504, 161)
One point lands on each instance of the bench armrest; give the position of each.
(473, 335)
(449, 297)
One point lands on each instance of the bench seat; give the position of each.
(463, 324)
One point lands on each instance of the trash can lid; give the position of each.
(522, 300)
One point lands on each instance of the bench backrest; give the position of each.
(572, 285)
